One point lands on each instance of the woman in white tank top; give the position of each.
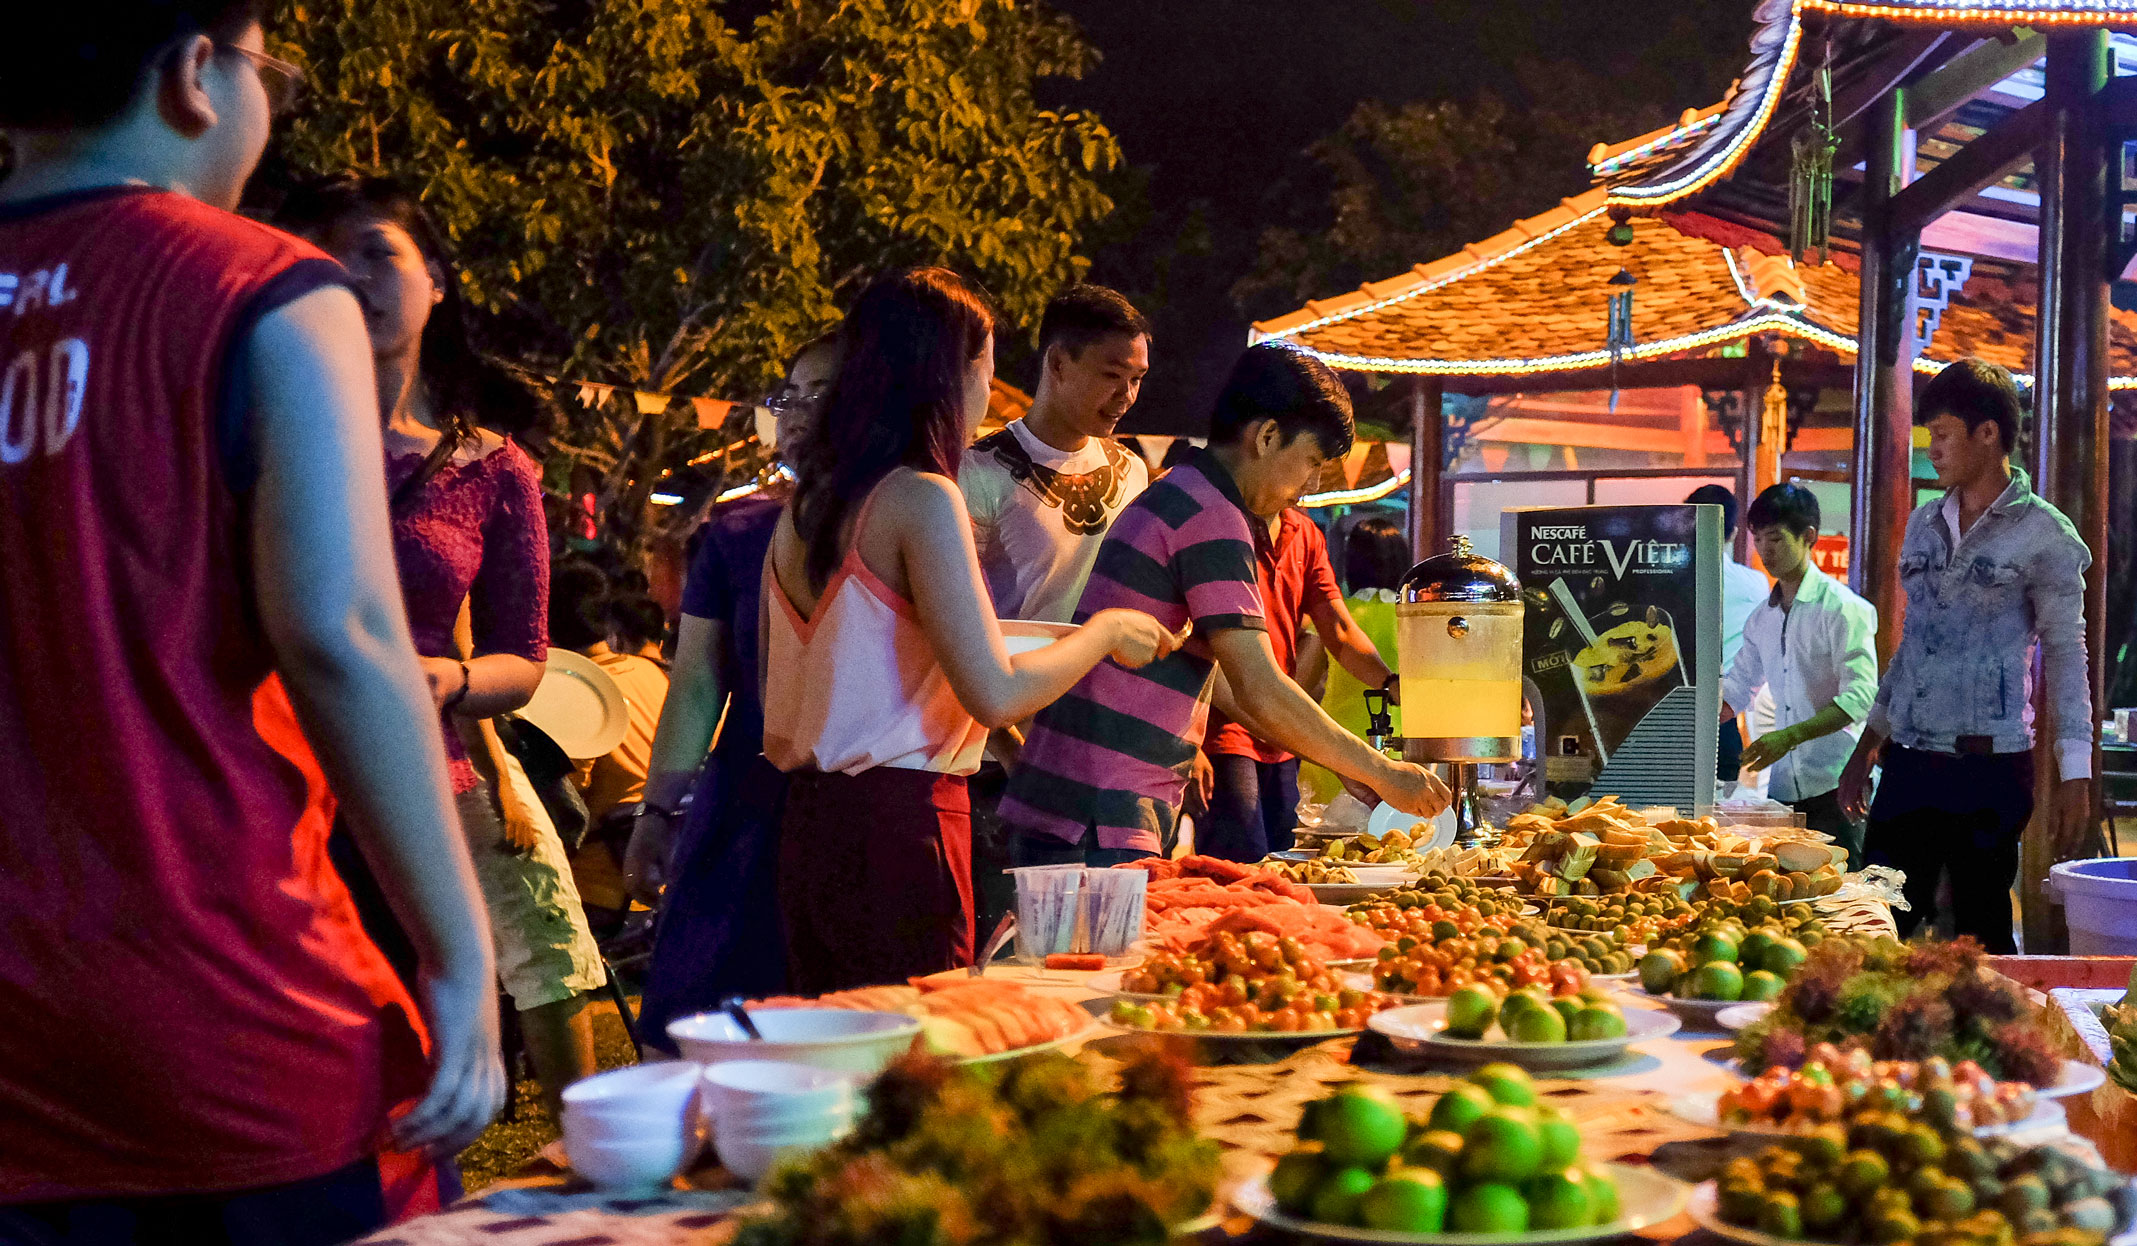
(884, 663)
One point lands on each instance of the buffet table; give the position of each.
(1249, 1104)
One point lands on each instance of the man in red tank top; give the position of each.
(199, 1044)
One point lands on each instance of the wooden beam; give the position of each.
(1971, 233)
(1709, 373)
(1983, 162)
(1967, 75)
(1428, 434)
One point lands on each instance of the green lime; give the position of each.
(1406, 1201)
(1751, 953)
(1783, 957)
(1568, 1006)
(1717, 980)
(1713, 946)
(1295, 1180)
(1823, 1207)
(1460, 1107)
(1503, 1146)
(1597, 1021)
(1560, 1138)
(1558, 1201)
(1489, 1207)
(1360, 1127)
(1470, 1012)
(1762, 984)
(1659, 971)
(1536, 1024)
(1437, 1149)
(1336, 1202)
(1509, 1084)
(1862, 1172)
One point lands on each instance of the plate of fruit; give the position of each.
(1526, 1027)
(1253, 986)
(1490, 1167)
(1699, 975)
(1843, 1089)
(1915, 1186)
(1163, 977)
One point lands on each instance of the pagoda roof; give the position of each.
(1771, 93)
(1533, 299)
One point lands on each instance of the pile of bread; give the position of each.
(1604, 848)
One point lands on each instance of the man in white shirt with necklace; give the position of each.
(1043, 491)
(1814, 644)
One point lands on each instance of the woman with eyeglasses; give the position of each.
(468, 534)
(710, 867)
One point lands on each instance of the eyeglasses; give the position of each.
(278, 78)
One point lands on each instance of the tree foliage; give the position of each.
(1396, 186)
(675, 194)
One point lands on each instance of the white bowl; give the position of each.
(629, 1128)
(814, 1129)
(750, 1120)
(640, 1090)
(828, 1038)
(776, 1083)
(646, 1165)
(751, 1159)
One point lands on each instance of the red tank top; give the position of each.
(187, 1001)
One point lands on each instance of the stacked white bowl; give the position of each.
(633, 1128)
(853, 1042)
(766, 1111)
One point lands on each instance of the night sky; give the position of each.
(1215, 100)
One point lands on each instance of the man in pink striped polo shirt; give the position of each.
(1102, 775)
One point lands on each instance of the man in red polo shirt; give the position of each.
(199, 1044)
(1253, 801)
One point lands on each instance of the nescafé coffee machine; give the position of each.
(1458, 629)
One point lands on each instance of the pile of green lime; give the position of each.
(1724, 961)
(1533, 1015)
(1489, 1159)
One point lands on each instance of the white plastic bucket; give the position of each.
(2099, 904)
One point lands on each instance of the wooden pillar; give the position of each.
(1747, 476)
(2070, 442)
(1884, 383)
(1692, 425)
(1428, 438)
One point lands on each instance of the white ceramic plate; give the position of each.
(1737, 1016)
(1702, 1110)
(1645, 1197)
(1090, 1031)
(1700, 1014)
(1422, 1028)
(578, 706)
(1025, 635)
(1386, 817)
(2078, 1078)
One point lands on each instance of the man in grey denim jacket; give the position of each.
(1990, 570)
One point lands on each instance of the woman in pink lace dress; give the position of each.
(468, 528)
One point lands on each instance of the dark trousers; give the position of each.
(1252, 812)
(324, 1211)
(875, 877)
(1961, 812)
(1823, 813)
(1036, 848)
(1729, 752)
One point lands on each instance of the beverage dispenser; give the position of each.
(1458, 629)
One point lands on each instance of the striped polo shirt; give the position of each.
(1116, 751)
